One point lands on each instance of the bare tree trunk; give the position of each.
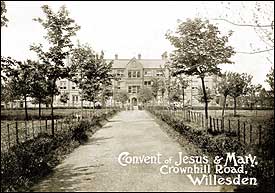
(223, 106)
(26, 108)
(182, 97)
(235, 106)
(52, 116)
(162, 100)
(169, 86)
(81, 104)
(39, 108)
(52, 97)
(205, 102)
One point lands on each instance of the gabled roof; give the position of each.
(146, 63)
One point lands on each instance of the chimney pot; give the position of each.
(139, 56)
(116, 56)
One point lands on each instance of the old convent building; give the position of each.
(134, 74)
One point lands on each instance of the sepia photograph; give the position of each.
(137, 96)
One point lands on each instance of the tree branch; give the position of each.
(256, 52)
(243, 25)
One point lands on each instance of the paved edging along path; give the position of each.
(95, 165)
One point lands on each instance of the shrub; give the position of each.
(217, 144)
(27, 162)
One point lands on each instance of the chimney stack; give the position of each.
(139, 56)
(116, 57)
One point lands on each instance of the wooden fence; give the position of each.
(16, 132)
(247, 133)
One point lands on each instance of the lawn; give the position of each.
(30, 129)
(252, 127)
(19, 114)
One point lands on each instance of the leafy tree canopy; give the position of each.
(199, 48)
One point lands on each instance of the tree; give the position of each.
(96, 76)
(60, 28)
(91, 73)
(64, 98)
(158, 85)
(200, 95)
(174, 94)
(239, 84)
(162, 89)
(265, 98)
(168, 85)
(7, 64)
(253, 92)
(39, 86)
(155, 87)
(145, 95)
(121, 96)
(223, 87)
(183, 83)
(4, 20)
(105, 94)
(21, 80)
(251, 15)
(270, 81)
(199, 48)
(7, 92)
(80, 56)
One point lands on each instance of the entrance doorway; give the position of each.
(134, 102)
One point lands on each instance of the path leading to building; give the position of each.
(94, 166)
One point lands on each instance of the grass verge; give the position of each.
(28, 162)
(219, 144)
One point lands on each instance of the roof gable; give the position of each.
(133, 64)
(145, 63)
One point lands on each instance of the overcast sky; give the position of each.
(130, 28)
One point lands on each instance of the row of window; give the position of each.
(133, 89)
(133, 74)
(137, 73)
(63, 85)
(75, 98)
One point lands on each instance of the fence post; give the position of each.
(260, 135)
(61, 125)
(239, 132)
(202, 120)
(217, 124)
(244, 132)
(222, 124)
(184, 114)
(214, 124)
(46, 125)
(250, 134)
(40, 124)
(229, 129)
(210, 123)
(56, 124)
(40, 129)
(26, 130)
(8, 127)
(16, 132)
(32, 130)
